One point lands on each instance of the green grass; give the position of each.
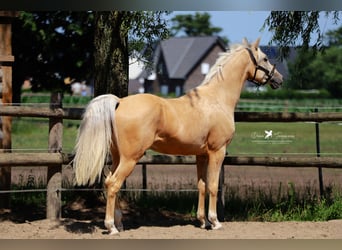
(44, 98)
(31, 134)
(254, 205)
(299, 138)
(288, 204)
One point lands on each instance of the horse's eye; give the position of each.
(265, 59)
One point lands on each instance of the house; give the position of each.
(180, 64)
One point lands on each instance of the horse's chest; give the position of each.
(220, 134)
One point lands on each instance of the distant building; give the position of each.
(181, 63)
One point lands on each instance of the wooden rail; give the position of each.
(49, 159)
(54, 159)
(6, 58)
(76, 114)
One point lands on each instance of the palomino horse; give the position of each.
(199, 123)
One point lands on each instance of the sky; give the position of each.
(239, 24)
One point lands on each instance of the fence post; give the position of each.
(318, 152)
(6, 63)
(54, 176)
(144, 176)
(144, 179)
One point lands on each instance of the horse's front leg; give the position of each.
(214, 167)
(202, 164)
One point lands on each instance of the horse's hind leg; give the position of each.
(113, 184)
(202, 164)
(214, 166)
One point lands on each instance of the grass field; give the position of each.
(288, 139)
(31, 134)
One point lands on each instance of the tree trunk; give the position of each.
(111, 54)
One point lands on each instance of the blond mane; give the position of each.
(221, 61)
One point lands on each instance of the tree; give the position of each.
(49, 46)
(334, 37)
(119, 34)
(327, 71)
(300, 71)
(111, 54)
(319, 70)
(293, 28)
(195, 25)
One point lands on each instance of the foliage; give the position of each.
(195, 25)
(300, 71)
(50, 46)
(328, 71)
(291, 28)
(146, 28)
(317, 71)
(334, 37)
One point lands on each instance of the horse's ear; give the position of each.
(256, 43)
(245, 42)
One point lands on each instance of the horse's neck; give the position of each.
(227, 84)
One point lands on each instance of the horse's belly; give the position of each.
(178, 148)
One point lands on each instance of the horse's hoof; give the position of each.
(120, 227)
(109, 224)
(216, 226)
(113, 231)
(206, 225)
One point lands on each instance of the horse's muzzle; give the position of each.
(275, 83)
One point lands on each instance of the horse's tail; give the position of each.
(94, 139)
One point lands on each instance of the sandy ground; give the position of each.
(86, 229)
(87, 223)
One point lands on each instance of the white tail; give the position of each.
(94, 139)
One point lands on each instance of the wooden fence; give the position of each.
(54, 158)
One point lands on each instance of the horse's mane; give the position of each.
(222, 60)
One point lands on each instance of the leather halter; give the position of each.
(268, 74)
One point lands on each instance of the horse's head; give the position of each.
(262, 71)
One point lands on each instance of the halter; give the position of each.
(269, 74)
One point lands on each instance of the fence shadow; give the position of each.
(81, 227)
(23, 214)
(151, 217)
